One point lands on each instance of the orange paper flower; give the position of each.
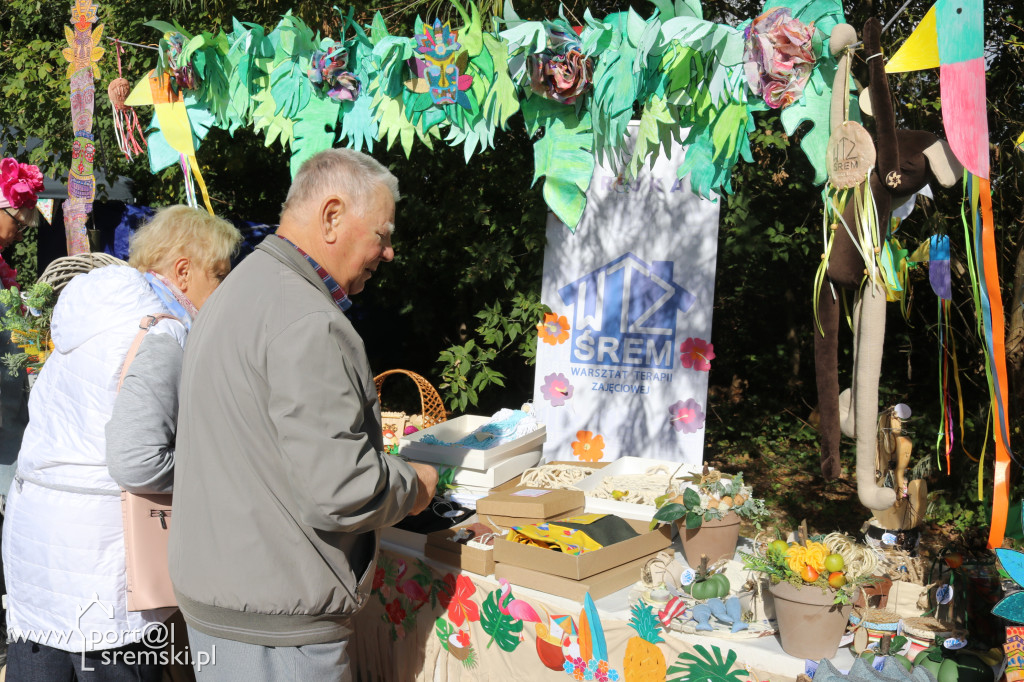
(588, 447)
(554, 329)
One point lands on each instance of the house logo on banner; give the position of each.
(623, 358)
(625, 314)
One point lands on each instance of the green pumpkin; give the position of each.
(970, 668)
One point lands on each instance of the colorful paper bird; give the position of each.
(951, 37)
(173, 118)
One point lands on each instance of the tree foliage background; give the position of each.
(459, 303)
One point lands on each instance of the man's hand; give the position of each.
(427, 476)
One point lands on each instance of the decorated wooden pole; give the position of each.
(82, 54)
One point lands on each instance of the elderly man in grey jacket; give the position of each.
(281, 482)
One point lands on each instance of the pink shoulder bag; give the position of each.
(147, 524)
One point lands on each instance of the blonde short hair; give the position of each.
(181, 231)
(354, 174)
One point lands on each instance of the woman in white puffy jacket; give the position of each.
(63, 542)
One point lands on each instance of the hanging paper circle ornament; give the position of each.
(850, 155)
(686, 416)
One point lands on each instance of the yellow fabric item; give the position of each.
(551, 535)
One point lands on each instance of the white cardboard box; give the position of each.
(469, 458)
(627, 466)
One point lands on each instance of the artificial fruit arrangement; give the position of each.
(712, 498)
(810, 563)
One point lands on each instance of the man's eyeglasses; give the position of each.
(22, 225)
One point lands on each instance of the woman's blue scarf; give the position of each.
(172, 298)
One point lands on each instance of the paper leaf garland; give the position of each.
(580, 84)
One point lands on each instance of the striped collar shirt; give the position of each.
(337, 293)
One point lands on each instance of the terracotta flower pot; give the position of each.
(810, 624)
(716, 538)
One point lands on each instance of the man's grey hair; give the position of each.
(343, 171)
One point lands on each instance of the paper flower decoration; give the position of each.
(587, 447)
(556, 389)
(561, 72)
(779, 56)
(171, 46)
(696, 354)
(20, 184)
(438, 47)
(8, 275)
(686, 416)
(554, 329)
(327, 69)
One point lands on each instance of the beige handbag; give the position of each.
(147, 525)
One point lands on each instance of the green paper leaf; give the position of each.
(707, 667)
(277, 127)
(501, 101)
(565, 157)
(615, 89)
(161, 26)
(673, 511)
(693, 520)
(690, 498)
(658, 127)
(315, 130)
(814, 106)
(443, 629)
(1011, 608)
(503, 628)
(290, 88)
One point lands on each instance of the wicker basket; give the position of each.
(61, 271)
(431, 406)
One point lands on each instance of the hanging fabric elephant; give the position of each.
(905, 161)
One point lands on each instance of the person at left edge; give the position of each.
(63, 541)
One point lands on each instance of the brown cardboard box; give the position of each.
(506, 522)
(472, 559)
(578, 567)
(514, 483)
(534, 504)
(598, 585)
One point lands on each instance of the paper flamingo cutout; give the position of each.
(517, 608)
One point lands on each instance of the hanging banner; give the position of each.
(623, 359)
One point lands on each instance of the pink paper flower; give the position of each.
(557, 389)
(779, 56)
(19, 183)
(696, 354)
(32, 176)
(686, 416)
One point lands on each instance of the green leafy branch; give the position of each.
(468, 368)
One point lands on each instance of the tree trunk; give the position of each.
(1015, 332)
